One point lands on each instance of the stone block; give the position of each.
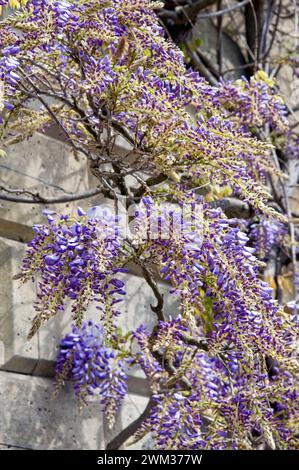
(47, 166)
(30, 418)
(16, 305)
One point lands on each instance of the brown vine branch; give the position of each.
(184, 14)
(200, 344)
(224, 11)
(124, 435)
(158, 309)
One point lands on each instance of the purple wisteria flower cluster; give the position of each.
(265, 235)
(215, 274)
(223, 386)
(93, 368)
(291, 145)
(76, 259)
(254, 103)
(215, 402)
(117, 60)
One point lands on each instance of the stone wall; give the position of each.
(29, 418)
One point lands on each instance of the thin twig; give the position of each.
(38, 199)
(158, 309)
(219, 39)
(223, 12)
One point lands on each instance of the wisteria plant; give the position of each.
(222, 368)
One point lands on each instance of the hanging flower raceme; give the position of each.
(8, 66)
(147, 361)
(291, 145)
(93, 368)
(76, 258)
(251, 105)
(266, 234)
(254, 103)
